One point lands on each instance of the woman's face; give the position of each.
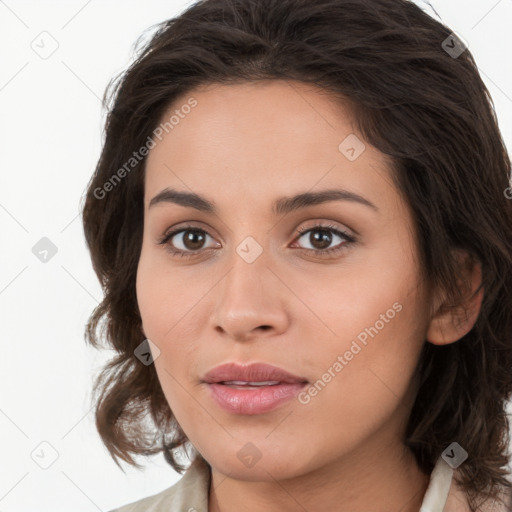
(245, 286)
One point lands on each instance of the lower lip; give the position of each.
(254, 401)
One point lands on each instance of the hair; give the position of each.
(427, 110)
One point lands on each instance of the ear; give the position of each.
(450, 324)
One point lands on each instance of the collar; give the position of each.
(191, 492)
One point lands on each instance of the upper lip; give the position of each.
(254, 372)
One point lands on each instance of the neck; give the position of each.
(381, 481)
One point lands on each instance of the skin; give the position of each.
(242, 147)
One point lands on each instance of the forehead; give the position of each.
(269, 114)
(259, 137)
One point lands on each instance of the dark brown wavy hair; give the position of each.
(427, 109)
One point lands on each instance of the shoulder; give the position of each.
(457, 501)
(445, 494)
(189, 494)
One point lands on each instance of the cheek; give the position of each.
(377, 318)
(363, 294)
(150, 298)
(162, 296)
(170, 314)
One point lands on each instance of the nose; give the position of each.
(250, 302)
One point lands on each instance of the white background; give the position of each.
(50, 133)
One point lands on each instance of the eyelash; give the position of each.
(349, 239)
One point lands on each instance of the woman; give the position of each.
(300, 221)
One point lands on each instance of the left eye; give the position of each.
(321, 237)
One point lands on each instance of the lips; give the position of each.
(252, 389)
(255, 374)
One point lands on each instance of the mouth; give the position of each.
(250, 399)
(240, 384)
(252, 389)
(254, 374)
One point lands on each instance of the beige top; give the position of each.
(190, 493)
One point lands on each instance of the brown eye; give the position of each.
(186, 241)
(193, 239)
(320, 237)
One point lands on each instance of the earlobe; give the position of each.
(450, 324)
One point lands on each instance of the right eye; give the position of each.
(186, 241)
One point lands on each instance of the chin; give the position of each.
(250, 464)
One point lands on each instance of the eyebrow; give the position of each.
(281, 206)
